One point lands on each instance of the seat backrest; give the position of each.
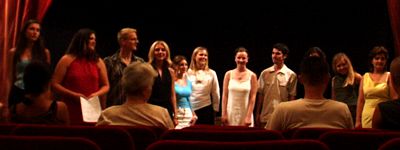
(106, 138)
(253, 145)
(142, 136)
(346, 139)
(15, 142)
(7, 128)
(215, 127)
(393, 144)
(222, 135)
(310, 133)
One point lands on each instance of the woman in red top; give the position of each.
(80, 73)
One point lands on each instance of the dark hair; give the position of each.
(37, 76)
(177, 59)
(313, 69)
(315, 50)
(282, 47)
(377, 50)
(38, 48)
(240, 49)
(78, 46)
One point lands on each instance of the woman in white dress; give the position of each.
(239, 93)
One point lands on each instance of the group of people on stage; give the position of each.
(178, 92)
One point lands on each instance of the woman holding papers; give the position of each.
(80, 73)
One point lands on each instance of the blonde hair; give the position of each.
(193, 62)
(152, 48)
(350, 72)
(137, 77)
(123, 34)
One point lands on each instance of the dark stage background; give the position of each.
(334, 26)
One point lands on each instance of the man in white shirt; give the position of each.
(276, 84)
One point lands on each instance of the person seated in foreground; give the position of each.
(313, 111)
(387, 114)
(37, 107)
(137, 81)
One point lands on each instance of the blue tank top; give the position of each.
(19, 72)
(183, 94)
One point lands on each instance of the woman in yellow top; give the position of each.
(375, 87)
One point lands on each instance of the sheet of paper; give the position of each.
(91, 109)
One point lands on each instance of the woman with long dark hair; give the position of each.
(30, 46)
(80, 73)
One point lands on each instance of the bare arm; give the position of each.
(224, 114)
(62, 113)
(104, 85)
(252, 99)
(48, 56)
(260, 99)
(360, 105)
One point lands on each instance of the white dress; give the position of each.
(238, 101)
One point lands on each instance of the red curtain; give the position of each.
(394, 14)
(13, 14)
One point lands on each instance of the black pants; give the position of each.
(205, 115)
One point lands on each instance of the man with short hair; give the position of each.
(276, 84)
(312, 111)
(116, 63)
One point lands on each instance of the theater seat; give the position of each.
(356, 140)
(106, 138)
(14, 142)
(142, 136)
(222, 135)
(249, 145)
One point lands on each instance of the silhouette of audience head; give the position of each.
(37, 78)
(315, 51)
(137, 79)
(314, 71)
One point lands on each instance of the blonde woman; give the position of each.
(345, 83)
(205, 88)
(163, 93)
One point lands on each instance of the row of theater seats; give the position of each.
(13, 136)
(24, 136)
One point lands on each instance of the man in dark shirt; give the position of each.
(116, 63)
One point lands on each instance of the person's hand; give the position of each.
(358, 125)
(175, 121)
(92, 95)
(79, 95)
(193, 121)
(224, 120)
(247, 121)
